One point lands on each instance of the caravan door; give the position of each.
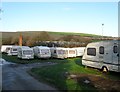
(108, 55)
(115, 54)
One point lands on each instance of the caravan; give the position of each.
(104, 55)
(58, 52)
(13, 50)
(6, 48)
(25, 52)
(79, 51)
(42, 51)
(71, 52)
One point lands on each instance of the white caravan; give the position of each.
(6, 48)
(58, 52)
(71, 52)
(25, 52)
(80, 51)
(13, 50)
(42, 51)
(103, 55)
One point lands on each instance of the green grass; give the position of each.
(56, 74)
(72, 33)
(14, 59)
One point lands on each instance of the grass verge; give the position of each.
(14, 59)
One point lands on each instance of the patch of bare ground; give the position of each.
(97, 82)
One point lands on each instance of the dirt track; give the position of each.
(15, 77)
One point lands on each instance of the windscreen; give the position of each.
(14, 49)
(61, 51)
(28, 52)
(45, 51)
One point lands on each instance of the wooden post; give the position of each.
(20, 40)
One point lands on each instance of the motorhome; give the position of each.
(13, 50)
(25, 52)
(42, 51)
(79, 51)
(58, 52)
(103, 55)
(6, 48)
(71, 52)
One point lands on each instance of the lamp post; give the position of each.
(102, 30)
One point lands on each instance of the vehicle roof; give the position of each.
(7, 45)
(42, 47)
(15, 46)
(58, 48)
(25, 48)
(108, 42)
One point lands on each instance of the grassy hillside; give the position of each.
(33, 33)
(32, 38)
(72, 33)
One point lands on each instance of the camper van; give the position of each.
(42, 51)
(25, 52)
(58, 52)
(103, 55)
(13, 50)
(71, 52)
(6, 48)
(79, 51)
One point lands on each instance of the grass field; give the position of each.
(72, 33)
(57, 75)
(14, 59)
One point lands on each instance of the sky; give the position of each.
(80, 17)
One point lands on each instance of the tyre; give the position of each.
(104, 69)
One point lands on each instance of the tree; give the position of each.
(30, 42)
(6, 41)
(15, 40)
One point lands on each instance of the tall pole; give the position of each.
(102, 30)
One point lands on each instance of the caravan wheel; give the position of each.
(104, 69)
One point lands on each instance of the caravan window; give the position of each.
(115, 49)
(7, 49)
(61, 52)
(54, 51)
(14, 49)
(45, 51)
(71, 51)
(91, 51)
(101, 50)
(27, 52)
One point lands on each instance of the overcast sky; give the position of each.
(82, 17)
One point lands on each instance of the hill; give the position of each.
(33, 33)
(32, 38)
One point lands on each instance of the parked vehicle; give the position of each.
(6, 48)
(103, 55)
(42, 51)
(80, 51)
(13, 50)
(58, 52)
(71, 52)
(25, 52)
